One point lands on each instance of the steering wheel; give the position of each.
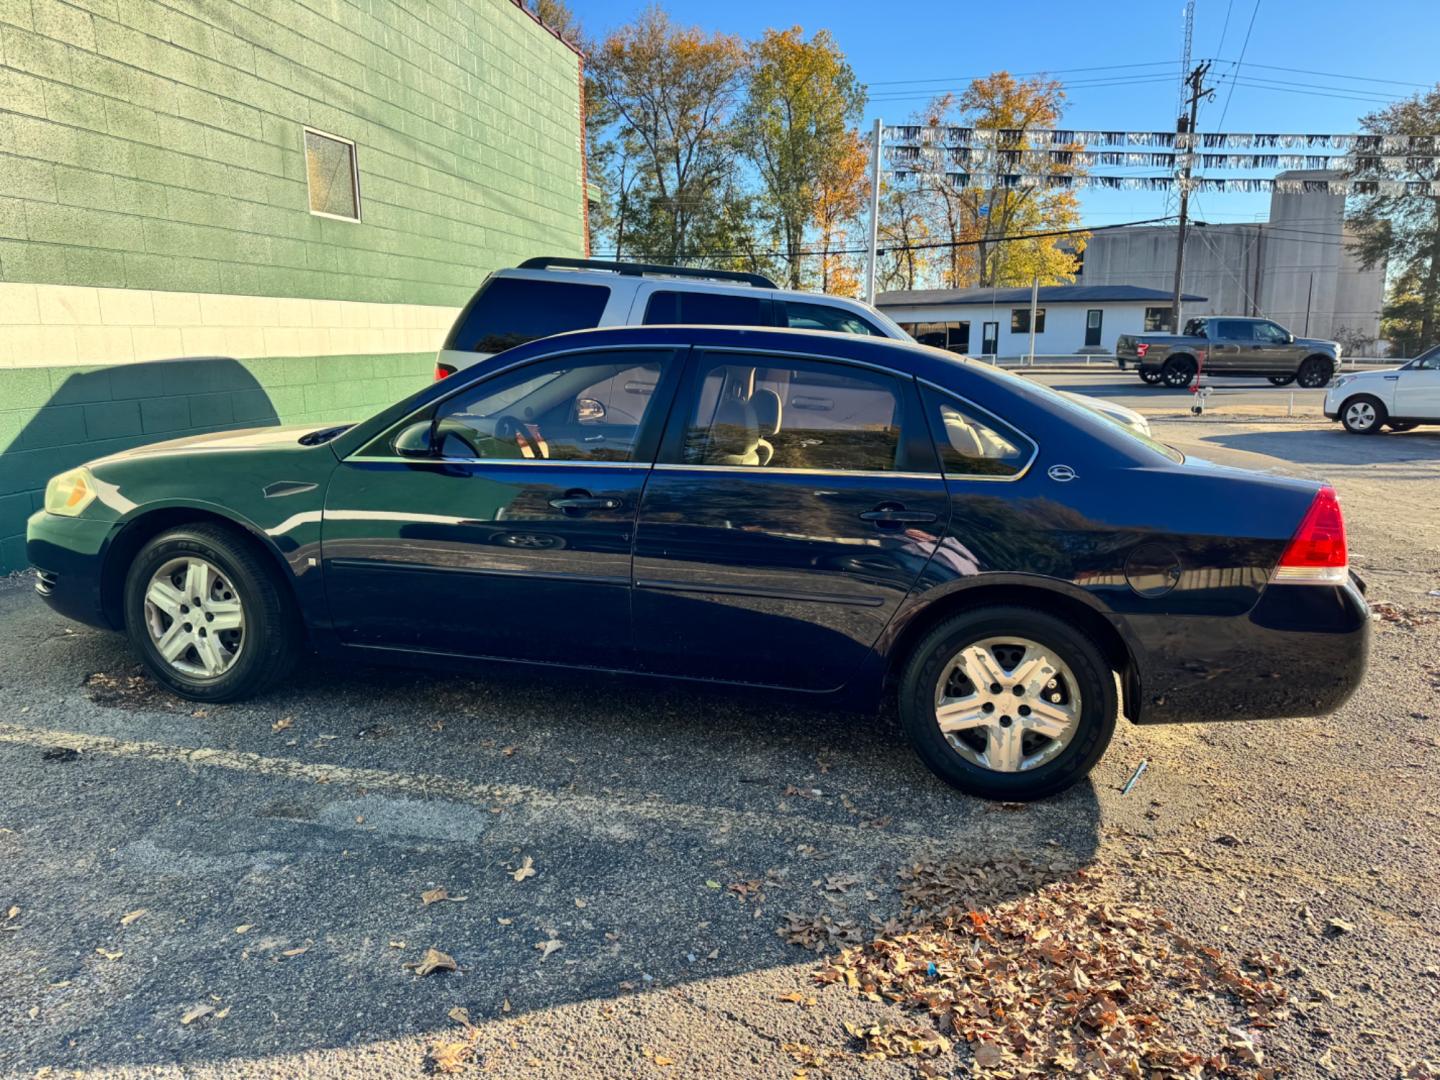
(510, 427)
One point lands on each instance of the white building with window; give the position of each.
(1071, 320)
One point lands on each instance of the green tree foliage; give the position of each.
(797, 128)
(1403, 231)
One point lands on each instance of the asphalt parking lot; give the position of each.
(236, 891)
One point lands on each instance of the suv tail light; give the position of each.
(443, 371)
(1141, 349)
(1316, 554)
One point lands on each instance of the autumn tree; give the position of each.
(797, 126)
(673, 91)
(840, 190)
(1403, 231)
(973, 208)
(904, 231)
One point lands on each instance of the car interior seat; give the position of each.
(767, 406)
(734, 435)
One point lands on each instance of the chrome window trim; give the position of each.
(765, 470)
(482, 380)
(1034, 445)
(823, 358)
(553, 462)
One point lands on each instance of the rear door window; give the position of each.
(973, 443)
(511, 311)
(671, 306)
(1235, 330)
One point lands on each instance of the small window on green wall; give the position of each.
(331, 175)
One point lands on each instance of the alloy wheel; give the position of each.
(1007, 704)
(195, 617)
(1177, 375)
(1360, 416)
(1314, 375)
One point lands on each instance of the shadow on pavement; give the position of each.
(280, 869)
(1336, 446)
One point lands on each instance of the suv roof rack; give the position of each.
(545, 262)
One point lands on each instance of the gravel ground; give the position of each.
(619, 856)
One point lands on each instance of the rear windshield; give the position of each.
(511, 311)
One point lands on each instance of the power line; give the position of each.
(1022, 74)
(893, 248)
(1243, 47)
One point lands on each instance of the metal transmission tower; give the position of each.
(1189, 20)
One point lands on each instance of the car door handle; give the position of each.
(583, 500)
(897, 515)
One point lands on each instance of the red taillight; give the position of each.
(1317, 552)
(443, 371)
(1141, 349)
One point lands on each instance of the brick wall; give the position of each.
(154, 207)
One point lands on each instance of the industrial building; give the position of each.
(235, 214)
(1294, 268)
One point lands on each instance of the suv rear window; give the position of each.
(708, 309)
(511, 311)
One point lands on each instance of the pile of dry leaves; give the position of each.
(1059, 979)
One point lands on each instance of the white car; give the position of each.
(545, 296)
(1398, 398)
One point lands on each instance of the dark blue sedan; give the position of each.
(837, 516)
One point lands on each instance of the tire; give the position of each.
(1178, 372)
(1315, 372)
(1363, 415)
(1081, 672)
(1408, 425)
(1150, 376)
(1281, 380)
(239, 660)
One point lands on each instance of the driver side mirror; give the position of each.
(589, 411)
(1289, 338)
(415, 440)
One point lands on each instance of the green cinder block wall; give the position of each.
(154, 206)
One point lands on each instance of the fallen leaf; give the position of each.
(710, 883)
(663, 1061)
(435, 896)
(548, 947)
(505, 1006)
(281, 724)
(579, 903)
(434, 960)
(452, 1056)
(1340, 926)
(503, 921)
(108, 955)
(243, 928)
(13, 912)
(460, 1015)
(130, 917)
(297, 951)
(527, 869)
(397, 944)
(195, 1012)
(223, 1013)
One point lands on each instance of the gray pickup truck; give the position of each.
(1229, 345)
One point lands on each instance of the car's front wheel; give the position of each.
(208, 616)
(1178, 372)
(1315, 373)
(1008, 703)
(1363, 415)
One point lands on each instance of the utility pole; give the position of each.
(1185, 129)
(877, 140)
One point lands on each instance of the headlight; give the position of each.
(70, 492)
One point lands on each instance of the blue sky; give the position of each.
(945, 42)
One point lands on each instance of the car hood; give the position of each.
(258, 439)
(1318, 343)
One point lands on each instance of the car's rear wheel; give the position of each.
(1178, 372)
(1150, 375)
(1363, 415)
(1008, 703)
(1281, 380)
(208, 616)
(1315, 372)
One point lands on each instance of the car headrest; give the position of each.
(766, 404)
(734, 432)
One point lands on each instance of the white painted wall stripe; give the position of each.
(49, 325)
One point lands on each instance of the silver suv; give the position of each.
(553, 295)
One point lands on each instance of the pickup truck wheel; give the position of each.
(1315, 372)
(1363, 415)
(1178, 372)
(1281, 380)
(1150, 376)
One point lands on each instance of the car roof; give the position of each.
(601, 276)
